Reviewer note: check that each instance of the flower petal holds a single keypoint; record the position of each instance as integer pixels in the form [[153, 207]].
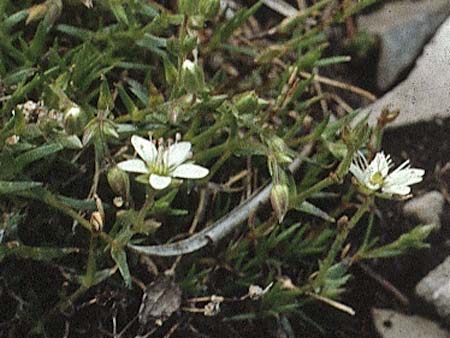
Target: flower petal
[[357, 172], [178, 153], [190, 170], [134, 166], [159, 182], [145, 148], [406, 176], [379, 164], [397, 189]]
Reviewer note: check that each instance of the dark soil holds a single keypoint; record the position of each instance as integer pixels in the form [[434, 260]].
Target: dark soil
[[427, 145]]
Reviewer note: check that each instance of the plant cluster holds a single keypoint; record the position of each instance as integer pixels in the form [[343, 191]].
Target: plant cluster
[[187, 152]]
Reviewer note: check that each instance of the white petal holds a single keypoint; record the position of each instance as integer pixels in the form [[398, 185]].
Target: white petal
[[357, 172], [362, 160], [397, 189], [379, 163], [134, 166], [190, 171], [178, 153], [159, 182], [405, 177], [145, 149]]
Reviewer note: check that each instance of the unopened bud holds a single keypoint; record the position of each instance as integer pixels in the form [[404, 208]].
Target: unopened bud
[[192, 78], [119, 182], [109, 128], [387, 116], [50, 10], [279, 198], [246, 102], [256, 292], [279, 150], [96, 222], [74, 120]]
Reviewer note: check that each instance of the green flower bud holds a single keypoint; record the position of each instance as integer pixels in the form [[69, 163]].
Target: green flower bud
[[74, 120], [209, 8], [109, 128], [119, 182], [192, 78], [279, 150], [248, 102], [279, 198]]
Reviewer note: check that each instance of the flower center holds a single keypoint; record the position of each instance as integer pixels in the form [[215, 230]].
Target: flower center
[[377, 179]]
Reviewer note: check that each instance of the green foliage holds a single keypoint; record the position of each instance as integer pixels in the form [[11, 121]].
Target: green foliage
[[77, 82]]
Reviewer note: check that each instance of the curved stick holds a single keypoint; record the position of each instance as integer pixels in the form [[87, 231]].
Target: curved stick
[[220, 228]]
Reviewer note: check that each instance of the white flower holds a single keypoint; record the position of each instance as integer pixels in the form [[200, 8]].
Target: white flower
[[162, 163], [376, 176]]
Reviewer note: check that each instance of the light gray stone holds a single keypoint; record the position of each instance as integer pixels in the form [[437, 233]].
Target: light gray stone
[[425, 94], [426, 208], [403, 27], [435, 289], [391, 324]]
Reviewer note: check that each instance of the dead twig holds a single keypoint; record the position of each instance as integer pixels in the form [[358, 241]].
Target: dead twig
[[281, 7], [388, 286], [346, 86]]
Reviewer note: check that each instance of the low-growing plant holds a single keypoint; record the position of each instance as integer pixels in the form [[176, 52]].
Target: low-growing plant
[[186, 150]]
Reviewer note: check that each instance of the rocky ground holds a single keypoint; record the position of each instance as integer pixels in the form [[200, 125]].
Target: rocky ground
[[409, 296]]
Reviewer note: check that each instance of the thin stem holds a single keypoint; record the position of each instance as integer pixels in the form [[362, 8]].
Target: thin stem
[[205, 136], [52, 201], [368, 230], [341, 237], [91, 267], [213, 152]]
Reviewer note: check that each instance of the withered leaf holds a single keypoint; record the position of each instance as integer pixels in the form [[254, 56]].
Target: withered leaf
[[161, 298]]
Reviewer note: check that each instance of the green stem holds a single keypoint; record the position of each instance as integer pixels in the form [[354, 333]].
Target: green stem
[[204, 137], [301, 197], [149, 201], [52, 201], [91, 267], [368, 231], [210, 153], [341, 237]]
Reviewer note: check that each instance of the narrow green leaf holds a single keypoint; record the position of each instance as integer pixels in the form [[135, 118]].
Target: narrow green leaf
[[120, 257], [311, 209], [7, 187], [38, 153], [45, 254], [411, 240]]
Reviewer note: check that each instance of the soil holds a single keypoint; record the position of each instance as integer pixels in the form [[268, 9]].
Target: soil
[[427, 145]]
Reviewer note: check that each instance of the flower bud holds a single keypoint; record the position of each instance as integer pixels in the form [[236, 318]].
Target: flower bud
[[387, 116], [119, 182], [192, 78], [279, 150], [109, 128], [246, 102], [279, 198], [74, 120], [209, 8], [96, 222]]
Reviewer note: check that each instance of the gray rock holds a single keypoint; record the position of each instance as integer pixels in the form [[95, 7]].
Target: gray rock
[[435, 289], [403, 28], [425, 94], [391, 324], [426, 208]]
